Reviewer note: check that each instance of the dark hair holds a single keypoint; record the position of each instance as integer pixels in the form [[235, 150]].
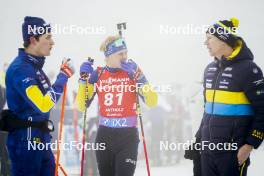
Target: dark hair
[[27, 43]]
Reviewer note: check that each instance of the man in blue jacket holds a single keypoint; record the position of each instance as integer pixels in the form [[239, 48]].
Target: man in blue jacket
[[30, 97], [233, 122]]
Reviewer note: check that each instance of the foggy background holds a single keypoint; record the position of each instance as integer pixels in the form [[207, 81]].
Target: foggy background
[[176, 59]]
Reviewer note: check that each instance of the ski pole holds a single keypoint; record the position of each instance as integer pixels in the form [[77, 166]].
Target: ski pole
[[120, 27], [75, 119], [61, 126], [62, 170], [84, 121], [83, 138], [143, 135]]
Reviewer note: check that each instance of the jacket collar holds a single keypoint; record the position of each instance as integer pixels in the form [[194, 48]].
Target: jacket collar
[[34, 60]]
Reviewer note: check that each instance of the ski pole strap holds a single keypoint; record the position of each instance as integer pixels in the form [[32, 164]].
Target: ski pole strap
[[127, 122]]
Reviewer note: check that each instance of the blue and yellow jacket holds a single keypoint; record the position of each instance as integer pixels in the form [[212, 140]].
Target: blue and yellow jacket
[[234, 100], [30, 95]]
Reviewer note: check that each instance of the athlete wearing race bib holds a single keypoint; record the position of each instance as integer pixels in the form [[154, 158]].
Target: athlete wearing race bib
[[117, 85]]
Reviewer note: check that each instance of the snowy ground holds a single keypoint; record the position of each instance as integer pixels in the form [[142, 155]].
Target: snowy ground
[[185, 167]]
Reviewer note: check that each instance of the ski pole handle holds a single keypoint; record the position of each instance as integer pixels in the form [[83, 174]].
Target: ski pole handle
[[120, 27]]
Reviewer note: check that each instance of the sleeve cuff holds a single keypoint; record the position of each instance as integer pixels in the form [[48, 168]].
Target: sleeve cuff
[[255, 142], [61, 79]]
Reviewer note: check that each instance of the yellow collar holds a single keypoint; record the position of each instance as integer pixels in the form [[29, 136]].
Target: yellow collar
[[236, 50]]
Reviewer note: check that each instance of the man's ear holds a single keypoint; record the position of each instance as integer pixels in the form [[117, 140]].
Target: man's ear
[[32, 40]]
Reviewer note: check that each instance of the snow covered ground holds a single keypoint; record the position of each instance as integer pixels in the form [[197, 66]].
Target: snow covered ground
[[185, 167]]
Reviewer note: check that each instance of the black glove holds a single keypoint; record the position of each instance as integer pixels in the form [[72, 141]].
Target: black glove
[[191, 153]]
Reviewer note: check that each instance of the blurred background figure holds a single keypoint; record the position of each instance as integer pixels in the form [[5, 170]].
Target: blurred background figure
[[174, 128], [5, 164], [2, 74], [156, 116]]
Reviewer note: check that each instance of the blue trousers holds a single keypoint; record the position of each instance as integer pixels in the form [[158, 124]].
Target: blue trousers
[[25, 162], [222, 164]]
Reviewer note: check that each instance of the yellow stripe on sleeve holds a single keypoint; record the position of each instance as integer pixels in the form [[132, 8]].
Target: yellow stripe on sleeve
[[150, 96], [43, 102]]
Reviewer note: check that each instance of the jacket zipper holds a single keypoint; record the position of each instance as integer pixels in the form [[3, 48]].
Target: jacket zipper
[[213, 102]]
